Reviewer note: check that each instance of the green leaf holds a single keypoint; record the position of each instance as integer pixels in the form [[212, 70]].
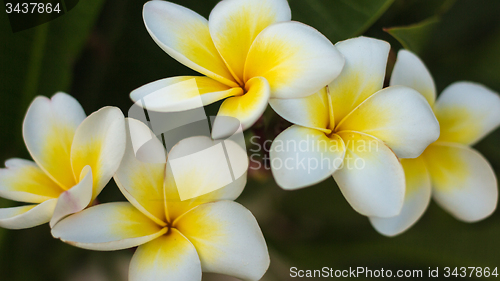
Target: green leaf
[[38, 61], [414, 37], [339, 19]]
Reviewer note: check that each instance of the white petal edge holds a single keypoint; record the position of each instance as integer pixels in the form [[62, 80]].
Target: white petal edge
[[142, 182], [362, 76], [75, 199], [107, 227], [181, 93], [59, 116], [470, 193], [22, 180], [185, 36], [27, 216], [314, 157], [417, 199], [227, 239], [169, 257], [411, 71], [100, 143], [374, 186], [467, 112], [220, 176], [309, 63], [397, 115], [313, 111], [234, 25]]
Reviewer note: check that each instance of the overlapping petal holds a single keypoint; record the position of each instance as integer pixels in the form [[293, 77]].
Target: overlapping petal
[[417, 198], [22, 180], [410, 71], [108, 227], [362, 76], [302, 157], [467, 112], [48, 131], [75, 199], [372, 178], [227, 238], [182, 93], [27, 216], [463, 181], [234, 24], [185, 36], [200, 171], [142, 182], [169, 257], [246, 108], [397, 115], [99, 143], [295, 59], [312, 111]]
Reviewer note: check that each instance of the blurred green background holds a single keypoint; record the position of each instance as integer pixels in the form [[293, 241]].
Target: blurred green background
[[100, 51]]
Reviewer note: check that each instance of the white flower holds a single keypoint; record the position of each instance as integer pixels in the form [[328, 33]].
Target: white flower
[[249, 51], [177, 239], [354, 130], [459, 178], [75, 157]]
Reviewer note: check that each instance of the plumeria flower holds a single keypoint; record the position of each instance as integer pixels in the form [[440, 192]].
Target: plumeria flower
[[459, 178], [248, 50], [177, 239], [75, 157], [356, 131]]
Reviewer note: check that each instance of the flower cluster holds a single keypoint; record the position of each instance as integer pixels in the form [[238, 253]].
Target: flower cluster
[[388, 148]]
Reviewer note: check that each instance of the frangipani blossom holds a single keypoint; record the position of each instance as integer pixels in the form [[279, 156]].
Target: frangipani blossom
[[177, 239], [356, 131], [75, 157], [459, 178], [248, 50]]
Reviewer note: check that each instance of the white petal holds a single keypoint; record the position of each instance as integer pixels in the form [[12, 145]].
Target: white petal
[[399, 116], [227, 239], [312, 111], [185, 36], [410, 71], [181, 93], [362, 76], [24, 181], [295, 59], [463, 181], [417, 198], [107, 227], [142, 182], [99, 143], [467, 112], [234, 25], [302, 157], [168, 257], [75, 199], [27, 216], [48, 131], [371, 179], [200, 171]]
